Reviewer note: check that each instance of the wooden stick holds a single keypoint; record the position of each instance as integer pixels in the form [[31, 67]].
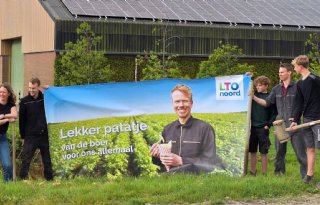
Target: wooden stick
[[248, 131], [14, 167], [290, 129]]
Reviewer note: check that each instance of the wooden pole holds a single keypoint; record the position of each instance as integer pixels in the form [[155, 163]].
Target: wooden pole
[[14, 167], [248, 130]]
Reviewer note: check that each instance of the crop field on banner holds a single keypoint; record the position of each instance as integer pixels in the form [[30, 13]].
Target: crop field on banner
[[119, 146]]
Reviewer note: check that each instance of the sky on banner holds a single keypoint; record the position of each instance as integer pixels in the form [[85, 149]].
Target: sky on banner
[[84, 102]]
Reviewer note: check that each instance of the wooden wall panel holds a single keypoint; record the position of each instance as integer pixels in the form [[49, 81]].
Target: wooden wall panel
[[29, 20]]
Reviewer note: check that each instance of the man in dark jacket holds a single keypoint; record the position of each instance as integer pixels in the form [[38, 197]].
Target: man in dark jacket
[[33, 130], [307, 104], [193, 140]]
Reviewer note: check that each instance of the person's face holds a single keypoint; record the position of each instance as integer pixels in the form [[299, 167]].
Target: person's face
[[4, 94], [33, 89], [297, 68], [182, 104], [261, 88], [284, 74]]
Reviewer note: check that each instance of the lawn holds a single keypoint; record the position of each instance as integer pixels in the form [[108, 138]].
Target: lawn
[[162, 189]]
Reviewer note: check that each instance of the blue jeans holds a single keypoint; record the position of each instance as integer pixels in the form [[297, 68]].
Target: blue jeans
[[5, 158]]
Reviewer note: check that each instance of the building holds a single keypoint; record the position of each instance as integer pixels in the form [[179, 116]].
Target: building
[[33, 32]]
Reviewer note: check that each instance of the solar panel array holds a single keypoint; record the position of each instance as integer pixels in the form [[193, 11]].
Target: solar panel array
[[278, 12]]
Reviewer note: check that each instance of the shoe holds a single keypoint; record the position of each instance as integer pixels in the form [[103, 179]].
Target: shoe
[[253, 173], [308, 179], [278, 173]]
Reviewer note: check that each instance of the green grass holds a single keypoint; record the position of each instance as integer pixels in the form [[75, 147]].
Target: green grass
[[163, 189]]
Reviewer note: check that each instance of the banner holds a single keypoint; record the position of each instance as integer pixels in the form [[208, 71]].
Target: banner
[[107, 129]]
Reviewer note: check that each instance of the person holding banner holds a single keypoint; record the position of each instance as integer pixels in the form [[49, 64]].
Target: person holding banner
[[33, 130], [192, 148], [307, 103], [282, 96], [261, 121], [8, 113]]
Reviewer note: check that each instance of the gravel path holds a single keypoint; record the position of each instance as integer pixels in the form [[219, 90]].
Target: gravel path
[[309, 199]]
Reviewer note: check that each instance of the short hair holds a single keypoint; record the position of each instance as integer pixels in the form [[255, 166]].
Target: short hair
[[12, 98], [186, 90], [287, 66], [262, 80], [302, 60], [35, 80]]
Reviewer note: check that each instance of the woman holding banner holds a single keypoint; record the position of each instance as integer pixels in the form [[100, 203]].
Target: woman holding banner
[[8, 113]]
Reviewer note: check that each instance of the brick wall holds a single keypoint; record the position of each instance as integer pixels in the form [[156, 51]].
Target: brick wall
[[39, 65]]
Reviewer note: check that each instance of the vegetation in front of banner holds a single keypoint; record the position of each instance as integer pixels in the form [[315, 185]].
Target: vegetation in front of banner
[[230, 140], [164, 189]]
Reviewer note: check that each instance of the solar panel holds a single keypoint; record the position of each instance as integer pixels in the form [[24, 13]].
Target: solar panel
[[285, 12]]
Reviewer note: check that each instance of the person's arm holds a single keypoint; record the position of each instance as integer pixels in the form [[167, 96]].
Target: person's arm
[[270, 100], [9, 117], [298, 106], [3, 120], [13, 114], [260, 101]]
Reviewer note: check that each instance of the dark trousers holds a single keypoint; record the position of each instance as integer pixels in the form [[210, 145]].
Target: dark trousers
[[28, 150], [299, 148]]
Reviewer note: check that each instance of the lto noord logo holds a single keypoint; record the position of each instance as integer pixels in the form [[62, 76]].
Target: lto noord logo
[[229, 88]]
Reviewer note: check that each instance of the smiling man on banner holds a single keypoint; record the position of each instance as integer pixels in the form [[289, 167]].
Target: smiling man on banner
[[192, 141]]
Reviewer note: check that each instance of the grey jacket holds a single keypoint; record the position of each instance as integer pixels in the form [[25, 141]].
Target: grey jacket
[[283, 103], [194, 142]]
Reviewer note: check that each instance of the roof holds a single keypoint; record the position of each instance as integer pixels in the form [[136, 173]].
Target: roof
[[276, 13]]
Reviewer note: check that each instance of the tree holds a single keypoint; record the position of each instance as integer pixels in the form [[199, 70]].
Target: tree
[[162, 65], [224, 61], [313, 42], [154, 67], [81, 63]]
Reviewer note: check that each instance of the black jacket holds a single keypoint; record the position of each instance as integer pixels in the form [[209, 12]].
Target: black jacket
[[195, 143], [307, 100], [32, 119]]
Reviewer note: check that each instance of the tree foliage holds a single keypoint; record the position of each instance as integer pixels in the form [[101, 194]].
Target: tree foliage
[[161, 64], [224, 61], [313, 42], [154, 67], [81, 63]]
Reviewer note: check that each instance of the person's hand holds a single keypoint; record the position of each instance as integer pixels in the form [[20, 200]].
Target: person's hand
[[154, 150], [266, 127], [1, 116], [293, 124], [249, 73], [44, 87], [171, 160], [11, 119]]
